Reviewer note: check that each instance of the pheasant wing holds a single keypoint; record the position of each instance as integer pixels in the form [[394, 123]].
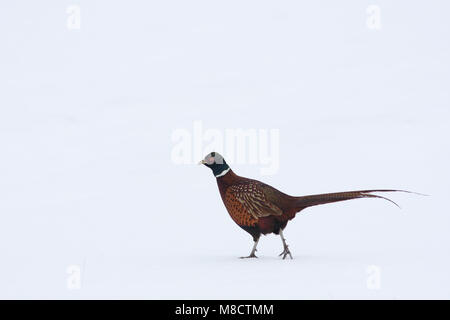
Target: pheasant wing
[[253, 197]]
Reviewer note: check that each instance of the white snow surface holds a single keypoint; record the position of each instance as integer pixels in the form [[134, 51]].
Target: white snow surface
[[86, 176]]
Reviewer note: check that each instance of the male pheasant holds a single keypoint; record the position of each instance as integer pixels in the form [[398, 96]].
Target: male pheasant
[[261, 209]]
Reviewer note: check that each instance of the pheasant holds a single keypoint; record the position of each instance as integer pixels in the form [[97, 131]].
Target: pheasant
[[261, 209]]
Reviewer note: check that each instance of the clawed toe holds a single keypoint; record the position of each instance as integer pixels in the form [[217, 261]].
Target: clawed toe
[[285, 253], [250, 256]]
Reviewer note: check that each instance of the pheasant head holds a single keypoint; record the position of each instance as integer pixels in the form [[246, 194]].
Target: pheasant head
[[216, 163]]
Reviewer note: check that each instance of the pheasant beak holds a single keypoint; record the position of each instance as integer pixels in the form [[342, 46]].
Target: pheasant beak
[[201, 162]]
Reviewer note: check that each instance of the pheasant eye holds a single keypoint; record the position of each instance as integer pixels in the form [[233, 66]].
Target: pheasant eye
[[211, 160]]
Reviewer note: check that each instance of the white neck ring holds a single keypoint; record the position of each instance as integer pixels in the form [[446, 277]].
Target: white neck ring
[[224, 172]]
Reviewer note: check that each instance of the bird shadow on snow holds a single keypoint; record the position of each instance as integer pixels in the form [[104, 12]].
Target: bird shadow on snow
[[319, 258]]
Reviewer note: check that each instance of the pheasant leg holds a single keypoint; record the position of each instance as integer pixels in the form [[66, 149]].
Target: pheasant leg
[[252, 254], [286, 251]]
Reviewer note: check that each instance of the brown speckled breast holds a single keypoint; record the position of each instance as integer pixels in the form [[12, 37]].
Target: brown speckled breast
[[237, 210]]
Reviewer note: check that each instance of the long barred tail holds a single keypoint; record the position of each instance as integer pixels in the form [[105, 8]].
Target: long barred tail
[[317, 199]]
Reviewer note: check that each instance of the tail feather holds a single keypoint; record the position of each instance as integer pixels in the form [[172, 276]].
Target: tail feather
[[317, 199]]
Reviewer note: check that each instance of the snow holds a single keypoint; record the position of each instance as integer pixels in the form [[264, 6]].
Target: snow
[[86, 175]]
